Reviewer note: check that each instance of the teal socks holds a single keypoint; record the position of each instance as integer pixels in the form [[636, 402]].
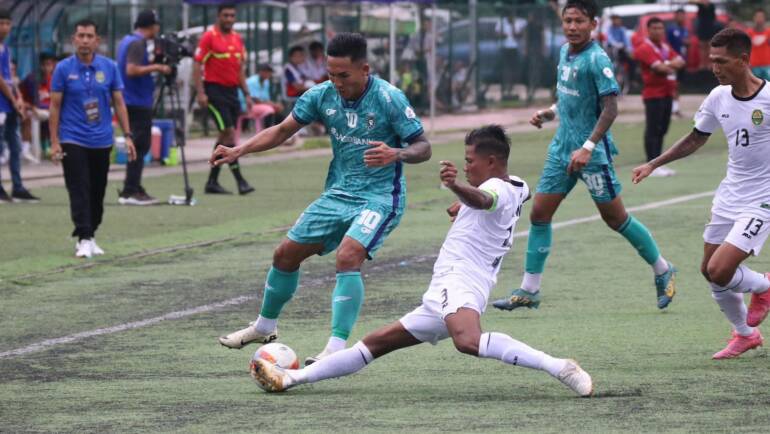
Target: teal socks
[[279, 288], [347, 298], [538, 247], [641, 238]]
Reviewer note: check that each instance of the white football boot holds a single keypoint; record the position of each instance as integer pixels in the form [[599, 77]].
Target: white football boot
[[243, 337], [270, 377], [84, 249], [574, 377]]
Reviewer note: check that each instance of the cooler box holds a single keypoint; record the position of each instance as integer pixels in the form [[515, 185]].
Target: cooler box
[[166, 127], [155, 143]]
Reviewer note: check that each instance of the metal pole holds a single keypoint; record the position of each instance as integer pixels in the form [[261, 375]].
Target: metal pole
[[392, 71], [474, 66], [432, 74]]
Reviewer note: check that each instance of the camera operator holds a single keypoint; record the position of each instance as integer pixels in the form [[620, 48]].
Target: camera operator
[[222, 55], [136, 71]]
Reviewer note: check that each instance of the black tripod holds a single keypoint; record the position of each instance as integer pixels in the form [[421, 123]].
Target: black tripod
[[168, 86]]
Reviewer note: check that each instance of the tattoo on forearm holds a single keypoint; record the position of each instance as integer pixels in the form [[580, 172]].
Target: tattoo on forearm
[[684, 147], [606, 118]]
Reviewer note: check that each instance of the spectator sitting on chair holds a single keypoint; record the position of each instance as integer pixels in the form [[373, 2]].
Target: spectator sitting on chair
[[314, 67], [296, 82], [263, 109], [11, 111], [36, 93]]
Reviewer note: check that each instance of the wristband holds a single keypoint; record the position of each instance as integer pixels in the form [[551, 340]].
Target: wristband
[[129, 136], [554, 109], [589, 145]]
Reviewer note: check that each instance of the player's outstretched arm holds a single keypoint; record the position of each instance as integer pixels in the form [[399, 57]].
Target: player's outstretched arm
[[684, 147], [469, 195], [380, 154], [266, 139]]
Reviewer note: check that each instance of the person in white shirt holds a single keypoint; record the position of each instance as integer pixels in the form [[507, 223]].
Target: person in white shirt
[[740, 214], [314, 67], [463, 275], [510, 30]]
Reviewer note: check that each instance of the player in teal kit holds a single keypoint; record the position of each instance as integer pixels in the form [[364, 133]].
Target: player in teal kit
[[373, 131], [582, 149]]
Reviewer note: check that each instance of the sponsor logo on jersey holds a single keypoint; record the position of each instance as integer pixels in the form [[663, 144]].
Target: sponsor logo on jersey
[[100, 77], [724, 115], [409, 112], [330, 112], [757, 117], [765, 206]]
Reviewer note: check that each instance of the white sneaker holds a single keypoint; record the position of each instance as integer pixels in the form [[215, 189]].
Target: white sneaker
[[243, 337], [27, 155], [84, 249], [96, 249], [312, 359], [269, 377], [574, 377]]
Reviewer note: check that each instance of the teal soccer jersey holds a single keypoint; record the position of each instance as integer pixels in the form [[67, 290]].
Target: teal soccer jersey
[[363, 203], [382, 113], [582, 80]]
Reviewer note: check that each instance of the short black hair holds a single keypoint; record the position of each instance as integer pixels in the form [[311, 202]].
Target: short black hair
[[45, 55], [490, 140], [352, 45], [315, 45], [735, 41], [588, 7], [654, 20], [680, 11], [294, 49], [224, 6], [86, 22], [5, 14]]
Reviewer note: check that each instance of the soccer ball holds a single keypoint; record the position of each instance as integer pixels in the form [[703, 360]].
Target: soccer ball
[[278, 354]]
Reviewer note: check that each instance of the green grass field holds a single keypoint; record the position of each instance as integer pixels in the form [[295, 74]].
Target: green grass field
[[652, 369]]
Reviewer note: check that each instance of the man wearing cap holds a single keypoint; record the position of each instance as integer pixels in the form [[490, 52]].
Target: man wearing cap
[[263, 108], [136, 68], [218, 73]]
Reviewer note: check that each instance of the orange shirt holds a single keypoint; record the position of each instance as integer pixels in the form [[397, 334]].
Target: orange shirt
[[222, 56], [760, 47]]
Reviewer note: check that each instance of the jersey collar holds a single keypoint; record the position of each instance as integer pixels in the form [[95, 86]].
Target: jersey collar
[[749, 98], [356, 103], [571, 56]]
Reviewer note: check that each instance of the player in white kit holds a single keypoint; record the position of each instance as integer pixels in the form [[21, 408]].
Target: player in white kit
[[463, 275], [740, 215]]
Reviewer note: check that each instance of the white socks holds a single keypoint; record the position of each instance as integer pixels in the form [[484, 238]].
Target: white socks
[[504, 348], [335, 344], [531, 282], [265, 325], [339, 364], [660, 266], [731, 304], [747, 280]]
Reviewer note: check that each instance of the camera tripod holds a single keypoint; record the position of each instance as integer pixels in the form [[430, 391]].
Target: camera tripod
[[169, 87]]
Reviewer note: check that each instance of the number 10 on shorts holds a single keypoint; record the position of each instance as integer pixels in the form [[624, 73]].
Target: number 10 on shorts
[[368, 220]]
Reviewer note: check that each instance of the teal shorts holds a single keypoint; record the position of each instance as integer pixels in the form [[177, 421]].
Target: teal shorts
[[600, 179], [762, 72], [331, 217]]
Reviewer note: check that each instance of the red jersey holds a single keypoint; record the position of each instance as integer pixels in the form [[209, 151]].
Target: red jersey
[[655, 85], [222, 56], [760, 47]]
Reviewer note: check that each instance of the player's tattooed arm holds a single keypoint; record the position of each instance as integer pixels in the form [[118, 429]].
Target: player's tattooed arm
[[469, 195], [380, 154], [682, 148], [418, 151], [606, 118]]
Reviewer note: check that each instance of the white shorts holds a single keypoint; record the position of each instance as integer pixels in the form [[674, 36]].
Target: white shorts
[[746, 232], [447, 293]]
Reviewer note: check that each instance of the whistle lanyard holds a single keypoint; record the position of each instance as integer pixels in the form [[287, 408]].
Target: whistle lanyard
[[664, 54]]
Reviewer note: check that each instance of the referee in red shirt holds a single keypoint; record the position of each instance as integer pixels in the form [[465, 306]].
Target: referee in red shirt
[[659, 63], [220, 57]]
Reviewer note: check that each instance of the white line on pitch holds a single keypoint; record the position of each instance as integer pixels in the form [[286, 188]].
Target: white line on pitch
[[48, 343]]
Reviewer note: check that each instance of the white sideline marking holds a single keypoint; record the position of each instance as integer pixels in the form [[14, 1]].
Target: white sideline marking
[[42, 345]]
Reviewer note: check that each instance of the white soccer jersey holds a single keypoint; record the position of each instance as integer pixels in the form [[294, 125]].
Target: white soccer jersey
[[746, 123], [478, 239]]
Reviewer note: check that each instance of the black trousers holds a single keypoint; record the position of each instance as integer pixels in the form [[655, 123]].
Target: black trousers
[[140, 120], [85, 175], [658, 118]]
